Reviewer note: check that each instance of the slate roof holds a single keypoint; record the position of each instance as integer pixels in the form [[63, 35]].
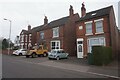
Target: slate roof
[[24, 31], [52, 24], [97, 13], [58, 22]]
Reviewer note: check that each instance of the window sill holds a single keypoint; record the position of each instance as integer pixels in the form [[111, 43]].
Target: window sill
[[99, 33], [88, 34], [55, 36]]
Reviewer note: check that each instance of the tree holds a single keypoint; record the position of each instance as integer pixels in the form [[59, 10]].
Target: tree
[[5, 44]]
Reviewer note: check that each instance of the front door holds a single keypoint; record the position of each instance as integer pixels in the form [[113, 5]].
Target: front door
[[80, 48]]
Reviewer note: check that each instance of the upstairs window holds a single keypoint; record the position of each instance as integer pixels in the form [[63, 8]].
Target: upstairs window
[[99, 26], [41, 35], [88, 27], [56, 32]]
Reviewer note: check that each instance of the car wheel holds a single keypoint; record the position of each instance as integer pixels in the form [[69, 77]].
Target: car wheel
[[27, 56], [20, 54], [58, 58], [33, 55], [45, 54], [49, 58]]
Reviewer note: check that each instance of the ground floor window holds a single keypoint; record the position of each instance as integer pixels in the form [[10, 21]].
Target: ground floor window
[[55, 44], [95, 41], [22, 46]]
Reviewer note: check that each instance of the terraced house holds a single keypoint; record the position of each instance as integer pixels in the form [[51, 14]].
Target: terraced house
[[75, 34], [57, 34], [25, 38]]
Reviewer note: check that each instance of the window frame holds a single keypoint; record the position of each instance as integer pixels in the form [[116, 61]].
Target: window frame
[[99, 27], [57, 44], [90, 23], [42, 34], [54, 32], [89, 45]]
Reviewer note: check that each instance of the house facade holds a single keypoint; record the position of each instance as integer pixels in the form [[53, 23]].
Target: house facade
[[96, 28], [76, 35], [25, 38], [60, 33]]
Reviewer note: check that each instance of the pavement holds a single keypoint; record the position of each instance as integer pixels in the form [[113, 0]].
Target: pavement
[[110, 70]]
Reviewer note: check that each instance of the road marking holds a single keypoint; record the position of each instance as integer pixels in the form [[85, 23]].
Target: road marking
[[104, 75]]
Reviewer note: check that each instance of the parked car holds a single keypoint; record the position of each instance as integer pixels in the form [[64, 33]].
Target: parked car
[[37, 51], [57, 54], [20, 52]]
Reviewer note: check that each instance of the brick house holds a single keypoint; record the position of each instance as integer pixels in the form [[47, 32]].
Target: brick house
[[59, 34], [75, 34], [25, 38], [96, 28]]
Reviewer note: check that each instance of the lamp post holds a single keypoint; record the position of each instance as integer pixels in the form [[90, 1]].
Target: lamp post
[[9, 35]]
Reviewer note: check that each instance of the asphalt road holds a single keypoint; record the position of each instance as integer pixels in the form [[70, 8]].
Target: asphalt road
[[41, 67]]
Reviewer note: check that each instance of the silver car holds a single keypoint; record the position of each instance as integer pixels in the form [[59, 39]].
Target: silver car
[[57, 54]]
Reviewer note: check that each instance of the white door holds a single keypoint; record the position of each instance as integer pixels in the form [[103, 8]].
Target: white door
[[80, 48]]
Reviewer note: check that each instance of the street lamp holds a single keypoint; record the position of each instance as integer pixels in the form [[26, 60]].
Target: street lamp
[[9, 34]]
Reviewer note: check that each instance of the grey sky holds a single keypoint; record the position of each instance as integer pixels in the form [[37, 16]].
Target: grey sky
[[24, 12]]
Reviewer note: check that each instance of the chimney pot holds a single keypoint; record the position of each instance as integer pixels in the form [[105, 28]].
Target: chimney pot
[[83, 10], [29, 27], [71, 11], [45, 20]]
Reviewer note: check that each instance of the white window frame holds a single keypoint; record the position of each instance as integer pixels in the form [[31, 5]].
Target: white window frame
[[88, 22], [57, 41], [26, 38], [89, 46], [41, 34], [54, 35], [96, 26], [22, 38], [22, 45], [30, 37]]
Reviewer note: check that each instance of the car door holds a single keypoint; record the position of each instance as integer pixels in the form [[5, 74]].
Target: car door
[[64, 54], [24, 51]]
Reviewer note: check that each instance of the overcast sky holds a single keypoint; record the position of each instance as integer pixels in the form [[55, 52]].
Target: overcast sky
[[24, 12]]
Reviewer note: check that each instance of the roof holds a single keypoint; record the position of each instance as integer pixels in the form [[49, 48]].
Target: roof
[[96, 13], [58, 22], [24, 31], [52, 24]]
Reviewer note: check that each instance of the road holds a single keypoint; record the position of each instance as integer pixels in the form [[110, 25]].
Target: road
[[41, 67]]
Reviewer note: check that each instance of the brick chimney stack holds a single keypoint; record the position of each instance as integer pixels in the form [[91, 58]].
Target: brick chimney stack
[[71, 11], [29, 27], [45, 20], [83, 10]]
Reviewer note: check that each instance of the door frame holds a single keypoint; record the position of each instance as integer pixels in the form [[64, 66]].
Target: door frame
[[78, 56]]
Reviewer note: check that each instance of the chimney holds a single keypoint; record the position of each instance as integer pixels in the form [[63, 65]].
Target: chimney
[[45, 20], [29, 27], [71, 11], [83, 10]]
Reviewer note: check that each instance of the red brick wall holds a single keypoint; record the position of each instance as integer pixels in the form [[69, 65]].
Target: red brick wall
[[48, 34], [6, 51], [114, 33], [81, 33]]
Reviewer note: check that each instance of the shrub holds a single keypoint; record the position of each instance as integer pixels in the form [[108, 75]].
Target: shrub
[[101, 55]]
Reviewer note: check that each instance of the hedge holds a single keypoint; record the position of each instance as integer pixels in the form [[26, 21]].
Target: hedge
[[101, 55]]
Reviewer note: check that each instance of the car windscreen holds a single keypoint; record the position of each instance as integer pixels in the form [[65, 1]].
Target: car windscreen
[[53, 51]]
